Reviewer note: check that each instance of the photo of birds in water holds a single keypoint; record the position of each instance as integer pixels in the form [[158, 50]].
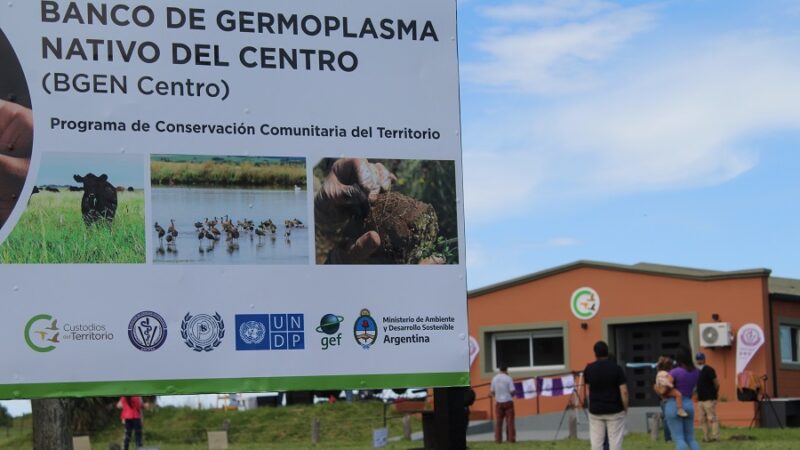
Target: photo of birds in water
[[229, 210]]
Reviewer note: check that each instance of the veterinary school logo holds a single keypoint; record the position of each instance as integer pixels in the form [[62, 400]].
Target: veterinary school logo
[[42, 332], [365, 330], [585, 303], [202, 332], [147, 331], [270, 332]]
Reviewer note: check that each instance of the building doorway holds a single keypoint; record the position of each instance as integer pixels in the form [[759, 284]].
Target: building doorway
[[638, 344]]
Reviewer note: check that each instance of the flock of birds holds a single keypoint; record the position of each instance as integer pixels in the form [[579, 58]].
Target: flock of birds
[[214, 230]]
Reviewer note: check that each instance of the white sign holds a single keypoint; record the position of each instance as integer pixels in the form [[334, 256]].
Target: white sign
[[229, 196], [380, 437], [748, 340], [474, 349], [584, 303]]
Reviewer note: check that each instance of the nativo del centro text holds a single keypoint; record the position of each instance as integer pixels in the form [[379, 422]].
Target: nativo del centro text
[[98, 14]]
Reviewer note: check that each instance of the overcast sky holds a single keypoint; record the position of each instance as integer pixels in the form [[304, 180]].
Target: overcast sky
[[122, 170]]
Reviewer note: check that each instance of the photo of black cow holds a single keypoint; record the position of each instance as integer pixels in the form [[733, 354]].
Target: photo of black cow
[[99, 202], [96, 222]]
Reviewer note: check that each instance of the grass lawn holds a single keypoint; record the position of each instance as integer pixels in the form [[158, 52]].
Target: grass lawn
[[51, 231], [343, 426]]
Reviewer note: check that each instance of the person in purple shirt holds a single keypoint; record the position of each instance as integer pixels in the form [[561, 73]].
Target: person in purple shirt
[[685, 378]]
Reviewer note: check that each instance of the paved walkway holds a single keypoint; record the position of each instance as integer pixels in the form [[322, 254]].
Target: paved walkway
[[545, 427]]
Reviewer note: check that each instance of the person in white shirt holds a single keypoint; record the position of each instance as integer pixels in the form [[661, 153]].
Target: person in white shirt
[[503, 392]]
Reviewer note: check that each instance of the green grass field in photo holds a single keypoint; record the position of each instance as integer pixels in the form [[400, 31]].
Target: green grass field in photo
[[51, 231]]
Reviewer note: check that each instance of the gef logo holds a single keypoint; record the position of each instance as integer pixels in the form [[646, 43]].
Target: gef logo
[[329, 327], [270, 332]]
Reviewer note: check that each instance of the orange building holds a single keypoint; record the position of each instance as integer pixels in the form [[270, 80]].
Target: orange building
[[546, 323]]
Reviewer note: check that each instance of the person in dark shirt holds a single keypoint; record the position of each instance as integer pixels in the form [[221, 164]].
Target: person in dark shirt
[[707, 392], [605, 383]]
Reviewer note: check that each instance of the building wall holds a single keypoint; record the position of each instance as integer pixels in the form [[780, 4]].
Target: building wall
[[624, 296], [787, 375]]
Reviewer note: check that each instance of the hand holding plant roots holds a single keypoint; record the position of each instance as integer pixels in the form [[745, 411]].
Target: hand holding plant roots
[[405, 226], [348, 188], [372, 224]]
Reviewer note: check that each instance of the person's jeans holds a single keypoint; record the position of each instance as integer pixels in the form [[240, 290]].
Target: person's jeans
[[613, 424], [667, 434], [504, 410], [682, 428], [707, 415], [134, 425]]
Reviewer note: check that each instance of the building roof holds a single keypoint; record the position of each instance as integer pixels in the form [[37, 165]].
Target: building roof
[[646, 269], [788, 288]]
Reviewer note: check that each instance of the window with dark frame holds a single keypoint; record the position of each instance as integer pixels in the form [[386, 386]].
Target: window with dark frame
[[535, 349], [790, 343]]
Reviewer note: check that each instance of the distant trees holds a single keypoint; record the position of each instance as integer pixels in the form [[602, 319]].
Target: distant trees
[[90, 414], [5, 417]]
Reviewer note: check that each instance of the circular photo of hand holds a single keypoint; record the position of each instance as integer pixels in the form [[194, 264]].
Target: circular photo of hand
[[16, 129]]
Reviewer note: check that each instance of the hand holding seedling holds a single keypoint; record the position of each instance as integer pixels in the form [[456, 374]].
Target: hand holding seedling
[[16, 129]]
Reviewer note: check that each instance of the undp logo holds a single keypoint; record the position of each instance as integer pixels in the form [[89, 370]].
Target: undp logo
[[270, 332]]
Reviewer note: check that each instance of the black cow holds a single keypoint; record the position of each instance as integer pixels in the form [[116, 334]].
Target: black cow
[[75, 189], [51, 189], [130, 188], [99, 201]]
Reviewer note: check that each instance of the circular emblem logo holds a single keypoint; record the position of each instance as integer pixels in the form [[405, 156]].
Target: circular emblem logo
[[751, 336], [585, 303], [202, 332], [252, 332], [365, 330], [329, 324], [41, 333], [147, 331]]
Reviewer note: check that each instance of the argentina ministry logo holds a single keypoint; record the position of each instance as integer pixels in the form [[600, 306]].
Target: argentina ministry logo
[[365, 330], [202, 332], [42, 333], [147, 331]]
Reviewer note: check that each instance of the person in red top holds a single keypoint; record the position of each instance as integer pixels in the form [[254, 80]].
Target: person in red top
[[132, 418]]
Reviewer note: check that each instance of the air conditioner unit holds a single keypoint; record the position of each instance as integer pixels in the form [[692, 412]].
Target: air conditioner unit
[[717, 334]]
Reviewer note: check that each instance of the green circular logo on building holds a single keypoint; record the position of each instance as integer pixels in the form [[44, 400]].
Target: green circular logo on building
[[585, 303]]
